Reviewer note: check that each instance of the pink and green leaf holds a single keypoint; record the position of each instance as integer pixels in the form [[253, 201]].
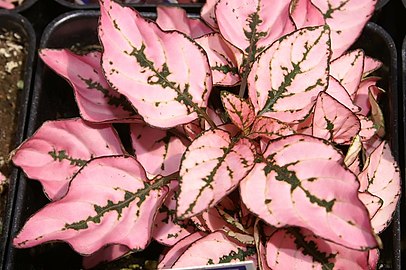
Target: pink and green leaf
[[211, 168], [381, 178], [109, 195], [61, 148], [240, 111], [286, 79], [96, 100], [215, 248], [165, 75], [269, 128], [370, 65], [376, 112], [361, 98], [303, 182], [159, 151], [175, 18], [295, 248], [105, 254], [346, 20], [305, 14], [337, 91], [333, 121], [372, 203], [223, 59], [207, 13]]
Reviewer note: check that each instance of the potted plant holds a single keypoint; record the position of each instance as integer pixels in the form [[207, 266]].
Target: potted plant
[[17, 49], [260, 138]]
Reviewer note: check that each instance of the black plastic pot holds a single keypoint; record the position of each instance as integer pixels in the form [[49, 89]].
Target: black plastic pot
[[53, 98], [18, 24]]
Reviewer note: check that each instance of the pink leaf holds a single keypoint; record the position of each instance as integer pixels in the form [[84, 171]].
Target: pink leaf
[[337, 91], [212, 167], [333, 121], [368, 129], [3, 179], [97, 102], [302, 182], [348, 70], [376, 112], [159, 151], [215, 248], [165, 75], [361, 98], [305, 14], [240, 111], [346, 20], [105, 254], [223, 59], [7, 4], [175, 18], [177, 250], [295, 248], [286, 79], [61, 148], [304, 127], [373, 258], [190, 130], [372, 203], [252, 25], [269, 128], [208, 15], [370, 65], [352, 159], [109, 195], [167, 228], [383, 180]]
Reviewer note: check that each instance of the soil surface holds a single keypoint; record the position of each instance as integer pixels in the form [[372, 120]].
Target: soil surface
[[12, 56]]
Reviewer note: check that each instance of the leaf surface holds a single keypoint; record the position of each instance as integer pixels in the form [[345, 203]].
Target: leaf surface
[[286, 79], [212, 167], [295, 248], [346, 20], [109, 195], [175, 18], [60, 148], [333, 121], [376, 112], [223, 59], [337, 91], [269, 128], [159, 151], [370, 65], [215, 248], [381, 178], [361, 98], [305, 14], [165, 75], [303, 183], [96, 100], [373, 203], [207, 13], [240, 111], [105, 254]]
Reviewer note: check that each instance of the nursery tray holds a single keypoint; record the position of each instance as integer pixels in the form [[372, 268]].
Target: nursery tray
[[20, 25], [53, 99]]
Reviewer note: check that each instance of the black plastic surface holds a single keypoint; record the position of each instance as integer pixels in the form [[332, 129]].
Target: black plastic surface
[[18, 24], [53, 98]]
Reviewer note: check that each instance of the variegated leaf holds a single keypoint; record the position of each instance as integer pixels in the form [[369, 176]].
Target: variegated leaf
[[376, 112], [381, 178], [348, 70], [337, 91], [295, 248], [212, 167], [370, 65], [167, 228], [373, 258], [170, 257], [333, 121], [215, 248], [346, 20], [305, 14], [372, 203], [286, 79], [223, 59], [261, 234], [361, 98], [269, 128], [303, 182], [368, 129], [97, 102], [353, 151], [240, 111], [304, 127], [109, 195], [61, 148], [175, 18], [105, 254], [165, 75], [159, 151], [207, 13]]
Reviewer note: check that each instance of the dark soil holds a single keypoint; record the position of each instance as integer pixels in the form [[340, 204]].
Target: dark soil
[[12, 56]]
